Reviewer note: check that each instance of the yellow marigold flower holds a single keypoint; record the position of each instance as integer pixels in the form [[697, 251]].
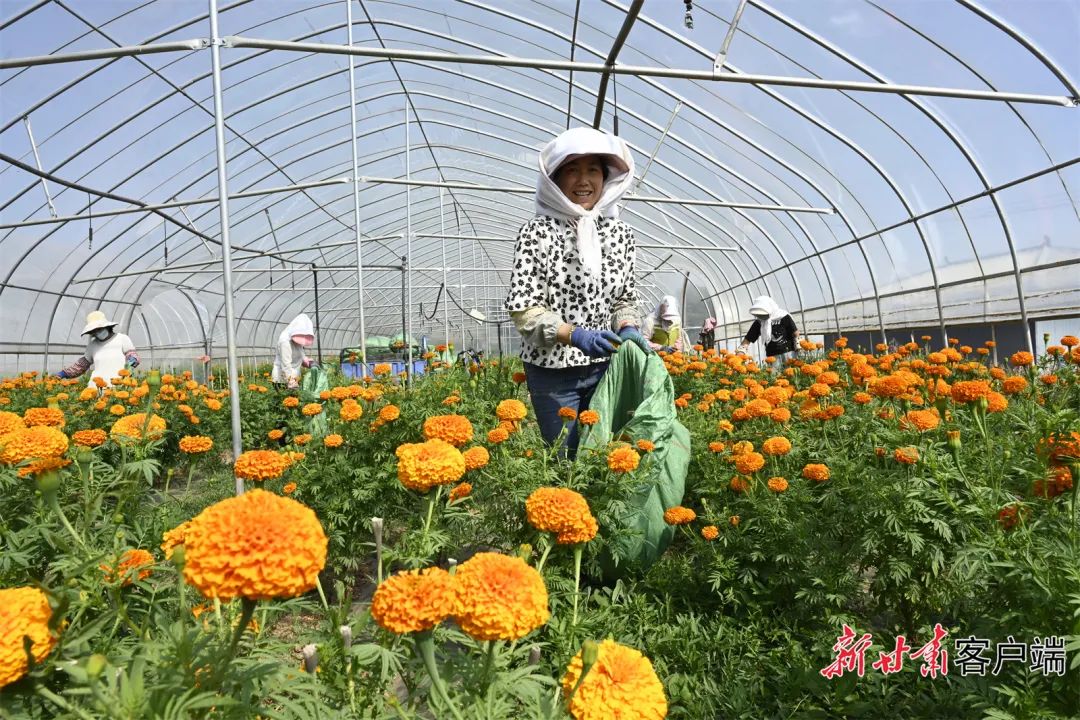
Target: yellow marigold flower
[[288, 488], [196, 444], [967, 391], [921, 420], [117, 410], [906, 455], [259, 465], [818, 472], [776, 446], [389, 413], [749, 463], [1021, 359], [561, 511], [132, 562], [777, 484], [476, 457], [302, 439], [780, 415], [454, 429], [422, 466], [275, 434], [312, 409], [742, 447], [460, 491], [131, 427], [49, 417], [758, 408], [498, 435], [257, 546], [499, 597], [414, 600], [511, 411], [996, 402], [710, 532], [717, 447], [588, 417], [623, 459], [451, 400], [350, 411], [645, 446], [213, 404], [725, 426], [568, 414], [170, 539], [1048, 379], [90, 438], [43, 465], [35, 442], [24, 616], [381, 369], [333, 441], [621, 685], [679, 515], [291, 401], [10, 422], [819, 390]]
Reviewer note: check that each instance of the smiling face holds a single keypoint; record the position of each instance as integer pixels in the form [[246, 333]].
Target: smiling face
[[582, 180]]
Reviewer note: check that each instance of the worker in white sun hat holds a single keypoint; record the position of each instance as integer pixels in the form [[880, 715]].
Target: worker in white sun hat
[[774, 328], [108, 351], [289, 355]]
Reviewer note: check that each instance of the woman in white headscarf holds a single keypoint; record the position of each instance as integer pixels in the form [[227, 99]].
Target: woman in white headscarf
[[107, 352], [572, 286], [774, 327], [289, 355], [664, 326]]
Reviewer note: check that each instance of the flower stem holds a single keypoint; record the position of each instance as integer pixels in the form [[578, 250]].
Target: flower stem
[[425, 645], [322, 594], [489, 663], [55, 505], [578, 548], [247, 609], [547, 549]]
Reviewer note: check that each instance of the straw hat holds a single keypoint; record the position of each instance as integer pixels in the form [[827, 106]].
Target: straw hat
[[95, 321]]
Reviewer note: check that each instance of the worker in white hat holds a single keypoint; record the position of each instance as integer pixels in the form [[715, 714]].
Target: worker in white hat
[[108, 351], [289, 355]]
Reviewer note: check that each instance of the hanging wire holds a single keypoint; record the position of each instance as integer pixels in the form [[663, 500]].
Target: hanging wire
[[438, 299], [688, 18], [615, 98], [165, 227], [90, 213]]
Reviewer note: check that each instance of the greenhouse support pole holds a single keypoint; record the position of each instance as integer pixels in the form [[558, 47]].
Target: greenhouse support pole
[[226, 248], [407, 307], [445, 285], [404, 272], [318, 340], [356, 196]]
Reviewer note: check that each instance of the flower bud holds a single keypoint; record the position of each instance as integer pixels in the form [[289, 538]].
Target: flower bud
[[590, 653], [95, 665], [524, 551], [346, 637], [48, 482], [311, 658], [954, 439], [84, 457], [178, 557]]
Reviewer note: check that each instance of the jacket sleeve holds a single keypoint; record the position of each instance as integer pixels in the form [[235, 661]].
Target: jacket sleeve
[[78, 367], [285, 352], [538, 325], [624, 311], [753, 333], [790, 329]]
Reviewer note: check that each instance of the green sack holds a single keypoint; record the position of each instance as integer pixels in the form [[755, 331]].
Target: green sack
[[636, 399], [314, 383]]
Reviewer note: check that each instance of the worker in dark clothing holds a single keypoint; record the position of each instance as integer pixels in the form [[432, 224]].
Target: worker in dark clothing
[[774, 327]]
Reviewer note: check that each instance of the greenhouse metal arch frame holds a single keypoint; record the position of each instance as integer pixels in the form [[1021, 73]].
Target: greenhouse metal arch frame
[[745, 270]]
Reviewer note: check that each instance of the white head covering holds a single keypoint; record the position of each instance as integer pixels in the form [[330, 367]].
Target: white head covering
[[765, 304], [95, 321], [301, 325], [666, 314], [551, 201]]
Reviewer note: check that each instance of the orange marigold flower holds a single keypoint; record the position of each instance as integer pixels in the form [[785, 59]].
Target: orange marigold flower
[[43, 465], [511, 411], [1049, 379], [817, 472], [499, 597], [742, 447], [498, 435], [454, 429], [460, 491], [645, 446], [1014, 384], [132, 562], [717, 447], [776, 446], [35, 442], [889, 386], [291, 401], [294, 457], [414, 600], [966, 391], [117, 410], [749, 463], [350, 411], [90, 438], [862, 398], [49, 417], [422, 466], [10, 422], [171, 539], [1021, 359], [1070, 341], [518, 377], [623, 459], [1010, 515], [131, 428], [259, 465], [906, 455], [389, 413], [257, 546], [568, 414], [1060, 448], [561, 511], [333, 441], [588, 417], [312, 409], [289, 488], [302, 439], [621, 685], [679, 515], [996, 402], [275, 434], [777, 484], [758, 408], [476, 457], [780, 415], [819, 389], [196, 444], [710, 532], [24, 620], [381, 369], [739, 484], [734, 520], [921, 420]]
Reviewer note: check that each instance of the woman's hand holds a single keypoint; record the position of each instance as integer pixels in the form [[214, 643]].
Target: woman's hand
[[594, 343], [629, 333]]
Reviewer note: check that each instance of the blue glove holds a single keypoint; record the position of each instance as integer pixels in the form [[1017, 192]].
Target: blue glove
[[132, 361], [629, 333], [62, 375], [594, 343]]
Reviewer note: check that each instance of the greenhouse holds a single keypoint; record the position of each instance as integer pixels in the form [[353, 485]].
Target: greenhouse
[[554, 359]]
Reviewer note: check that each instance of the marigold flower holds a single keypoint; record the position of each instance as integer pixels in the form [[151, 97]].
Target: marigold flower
[[35, 442], [621, 685], [1021, 359], [511, 411], [381, 369], [196, 444], [302, 439], [588, 417], [1060, 448], [1010, 515], [499, 597], [742, 447], [739, 484], [422, 466], [734, 520], [623, 459], [1014, 384], [561, 511], [49, 417], [1070, 341], [454, 429], [24, 617], [679, 515], [568, 414], [906, 455], [293, 457], [777, 484], [257, 546], [414, 600], [90, 438], [710, 532], [921, 420], [749, 463], [776, 446], [818, 472], [889, 386], [275, 434], [170, 539], [389, 413], [38, 466], [498, 435], [780, 415], [645, 446], [291, 401], [333, 441], [130, 428], [312, 409], [996, 402], [717, 447], [132, 562], [476, 457], [10, 422], [966, 391], [758, 408], [259, 465], [460, 491], [117, 410]]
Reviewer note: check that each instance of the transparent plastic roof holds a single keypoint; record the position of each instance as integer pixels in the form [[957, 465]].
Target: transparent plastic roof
[[883, 209]]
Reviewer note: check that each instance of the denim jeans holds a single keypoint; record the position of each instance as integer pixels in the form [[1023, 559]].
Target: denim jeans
[[554, 388]]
